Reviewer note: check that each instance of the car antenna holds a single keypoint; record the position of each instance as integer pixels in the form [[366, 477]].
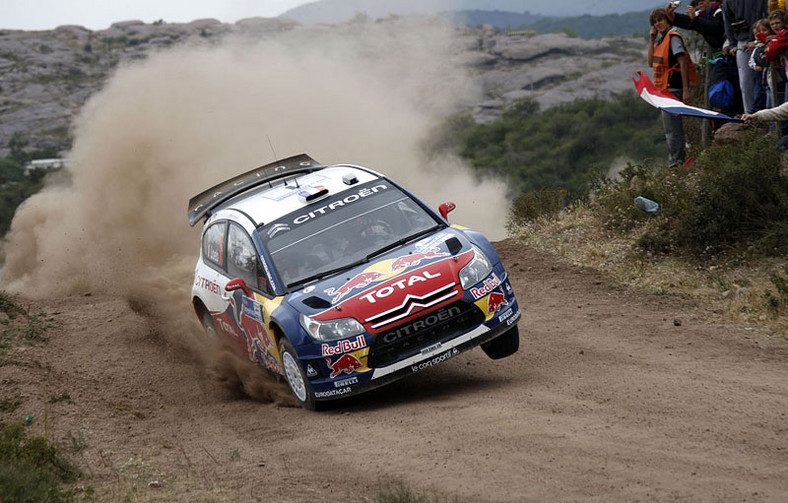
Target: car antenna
[[276, 158], [270, 185]]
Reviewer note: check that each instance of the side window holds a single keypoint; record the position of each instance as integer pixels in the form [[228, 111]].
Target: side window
[[242, 260], [213, 244]]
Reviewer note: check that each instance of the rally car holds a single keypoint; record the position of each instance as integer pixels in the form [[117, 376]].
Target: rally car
[[340, 280]]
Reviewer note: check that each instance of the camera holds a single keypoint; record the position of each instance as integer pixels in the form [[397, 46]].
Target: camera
[[675, 3]]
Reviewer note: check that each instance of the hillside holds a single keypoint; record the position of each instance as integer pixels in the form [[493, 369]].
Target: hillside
[[334, 11], [48, 76]]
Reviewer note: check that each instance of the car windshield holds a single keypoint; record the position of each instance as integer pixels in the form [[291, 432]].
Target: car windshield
[[343, 230]]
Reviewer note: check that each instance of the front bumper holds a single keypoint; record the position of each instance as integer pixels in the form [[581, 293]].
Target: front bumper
[[345, 386]]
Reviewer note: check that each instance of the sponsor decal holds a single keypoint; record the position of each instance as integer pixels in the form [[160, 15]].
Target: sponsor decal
[[346, 363], [253, 309], [333, 392], [276, 229], [408, 282], [507, 314], [338, 204], [227, 327], [310, 370], [495, 302], [420, 324], [207, 284], [438, 359], [345, 346], [414, 259], [490, 284], [431, 349], [395, 266], [359, 281], [308, 289], [345, 382]]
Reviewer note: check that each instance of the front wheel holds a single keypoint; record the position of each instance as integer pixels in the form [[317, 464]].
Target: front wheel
[[504, 345], [299, 385]]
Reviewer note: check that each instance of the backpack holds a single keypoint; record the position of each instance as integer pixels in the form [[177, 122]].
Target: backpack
[[721, 95], [759, 56]]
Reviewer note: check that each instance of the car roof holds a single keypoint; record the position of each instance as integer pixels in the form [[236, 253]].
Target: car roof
[[270, 202]]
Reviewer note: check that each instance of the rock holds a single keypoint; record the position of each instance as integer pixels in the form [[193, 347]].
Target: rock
[[47, 76], [730, 133]]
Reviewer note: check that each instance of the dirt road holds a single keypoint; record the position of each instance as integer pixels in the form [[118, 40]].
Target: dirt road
[[615, 395]]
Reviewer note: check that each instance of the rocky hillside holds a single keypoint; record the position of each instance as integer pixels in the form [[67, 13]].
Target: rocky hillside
[[46, 76]]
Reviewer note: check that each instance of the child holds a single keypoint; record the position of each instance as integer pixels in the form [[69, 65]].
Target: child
[[762, 94]]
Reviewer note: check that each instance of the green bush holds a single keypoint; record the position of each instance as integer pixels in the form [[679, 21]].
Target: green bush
[[529, 206], [557, 148], [732, 198], [32, 470], [742, 199]]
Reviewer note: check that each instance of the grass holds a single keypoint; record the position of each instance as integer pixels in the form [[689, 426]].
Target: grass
[[746, 292], [33, 470], [19, 326], [399, 493]]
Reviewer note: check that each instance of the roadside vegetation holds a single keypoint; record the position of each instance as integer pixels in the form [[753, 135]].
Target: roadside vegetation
[[719, 237], [32, 469]]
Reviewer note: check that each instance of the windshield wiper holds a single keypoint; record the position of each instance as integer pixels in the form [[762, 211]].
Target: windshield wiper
[[402, 241], [327, 273]]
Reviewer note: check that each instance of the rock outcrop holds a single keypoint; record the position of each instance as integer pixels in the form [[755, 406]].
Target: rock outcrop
[[46, 76]]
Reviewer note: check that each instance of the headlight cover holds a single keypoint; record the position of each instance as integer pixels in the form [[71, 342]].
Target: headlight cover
[[331, 330], [476, 270]]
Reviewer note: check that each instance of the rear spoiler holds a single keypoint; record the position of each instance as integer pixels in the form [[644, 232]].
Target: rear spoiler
[[201, 205]]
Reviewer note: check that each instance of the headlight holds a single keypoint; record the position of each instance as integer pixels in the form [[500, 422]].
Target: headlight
[[476, 270], [331, 330]]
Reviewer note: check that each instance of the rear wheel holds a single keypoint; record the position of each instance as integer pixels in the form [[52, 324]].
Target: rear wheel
[[208, 325], [504, 345], [299, 385]]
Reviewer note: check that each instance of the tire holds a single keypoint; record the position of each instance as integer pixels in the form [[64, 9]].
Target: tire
[[294, 373], [504, 345], [209, 326]]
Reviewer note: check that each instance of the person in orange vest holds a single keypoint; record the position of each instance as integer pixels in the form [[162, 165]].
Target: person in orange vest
[[673, 71]]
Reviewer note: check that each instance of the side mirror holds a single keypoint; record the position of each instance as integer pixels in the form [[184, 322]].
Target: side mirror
[[445, 208], [238, 284]]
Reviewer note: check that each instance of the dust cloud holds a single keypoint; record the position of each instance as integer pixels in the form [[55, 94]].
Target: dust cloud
[[165, 129]]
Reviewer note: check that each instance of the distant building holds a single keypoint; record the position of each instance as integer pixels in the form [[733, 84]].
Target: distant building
[[45, 164]]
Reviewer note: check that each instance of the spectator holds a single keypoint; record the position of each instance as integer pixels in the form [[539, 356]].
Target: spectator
[[705, 17], [740, 16], [762, 90], [779, 113], [673, 71]]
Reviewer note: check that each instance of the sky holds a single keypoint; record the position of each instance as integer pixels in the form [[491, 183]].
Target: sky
[[100, 14]]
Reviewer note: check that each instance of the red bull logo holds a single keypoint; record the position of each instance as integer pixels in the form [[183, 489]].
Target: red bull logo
[[489, 285], [346, 363], [495, 302], [415, 259], [359, 281], [344, 346], [366, 278]]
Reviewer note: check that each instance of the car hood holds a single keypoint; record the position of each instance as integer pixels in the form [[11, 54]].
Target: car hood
[[395, 285]]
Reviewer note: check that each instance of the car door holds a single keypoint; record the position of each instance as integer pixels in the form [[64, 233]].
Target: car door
[[248, 299]]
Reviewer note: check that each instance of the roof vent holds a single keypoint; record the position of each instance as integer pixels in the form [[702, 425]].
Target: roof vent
[[349, 178]]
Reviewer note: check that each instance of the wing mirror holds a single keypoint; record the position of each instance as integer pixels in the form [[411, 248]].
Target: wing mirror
[[238, 284], [445, 208]]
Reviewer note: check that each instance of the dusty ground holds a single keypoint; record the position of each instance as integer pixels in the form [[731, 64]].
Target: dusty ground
[[615, 395]]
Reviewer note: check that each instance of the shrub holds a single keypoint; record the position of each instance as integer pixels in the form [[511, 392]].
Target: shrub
[[529, 206], [732, 198], [32, 470]]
